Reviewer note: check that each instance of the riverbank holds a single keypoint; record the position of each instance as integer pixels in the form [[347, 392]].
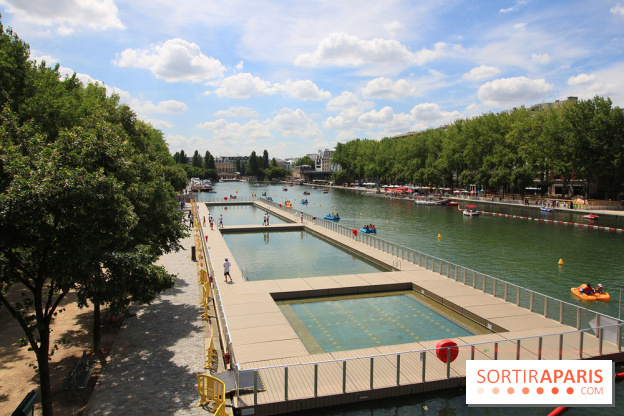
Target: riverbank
[[505, 202]]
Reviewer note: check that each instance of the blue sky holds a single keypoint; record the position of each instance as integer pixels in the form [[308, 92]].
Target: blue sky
[[294, 77]]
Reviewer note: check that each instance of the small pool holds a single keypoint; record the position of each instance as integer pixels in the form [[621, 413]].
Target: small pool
[[364, 321], [291, 254], [241, 215]]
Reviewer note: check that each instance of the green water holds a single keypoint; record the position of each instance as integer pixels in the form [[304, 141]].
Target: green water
[[291, 254], [519, 251]]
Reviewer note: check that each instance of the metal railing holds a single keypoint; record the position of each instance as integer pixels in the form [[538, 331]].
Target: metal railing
[[416, 363], [564, 312], [219, 303]]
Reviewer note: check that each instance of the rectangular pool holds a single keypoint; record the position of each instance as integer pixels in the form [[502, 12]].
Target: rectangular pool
[[364, 321], [291, 254], [241, 215]]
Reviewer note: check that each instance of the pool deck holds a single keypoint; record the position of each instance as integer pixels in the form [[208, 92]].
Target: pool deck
[[262, 337]]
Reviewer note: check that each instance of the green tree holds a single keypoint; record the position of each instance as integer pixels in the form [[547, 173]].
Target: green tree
[[209, 162], [265, 160], [305, 161], [197, 161], [84, 203]]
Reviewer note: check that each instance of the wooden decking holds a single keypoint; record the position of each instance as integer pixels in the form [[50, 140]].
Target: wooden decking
[[262, 337]]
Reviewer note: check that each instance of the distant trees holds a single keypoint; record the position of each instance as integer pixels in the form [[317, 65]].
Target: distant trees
[[508, 151], [304, 161]]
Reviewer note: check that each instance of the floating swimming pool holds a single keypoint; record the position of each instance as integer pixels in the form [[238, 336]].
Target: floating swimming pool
[[290, 254], [241, 215], [364, 321]]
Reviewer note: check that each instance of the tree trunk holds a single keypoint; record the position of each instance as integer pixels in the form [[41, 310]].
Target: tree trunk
[[97, 327], [44, 373]]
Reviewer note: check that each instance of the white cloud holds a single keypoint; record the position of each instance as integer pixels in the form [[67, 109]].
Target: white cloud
[[382, 116], [246, 85], [159, 124], [67, 15], [163, 107], [287, 123], [606, 82], [304, 90], [393, 28], [348, 101], [617, 9], [176, 60], [506, 92], [430, 115], [237, 112], [341, 49], [386, 88], [481, 72], [540, 59], [581, 79], [295, 123], [515, 7]]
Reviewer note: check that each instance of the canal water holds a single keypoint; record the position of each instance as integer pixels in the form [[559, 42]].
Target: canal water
[[524, 252]]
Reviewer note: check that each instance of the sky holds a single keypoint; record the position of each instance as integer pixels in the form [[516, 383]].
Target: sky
[[294, 77]]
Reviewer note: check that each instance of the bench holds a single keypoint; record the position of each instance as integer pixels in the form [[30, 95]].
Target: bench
[[79, 376]]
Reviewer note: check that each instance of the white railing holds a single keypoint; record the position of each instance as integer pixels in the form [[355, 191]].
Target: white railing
[[509, 349]]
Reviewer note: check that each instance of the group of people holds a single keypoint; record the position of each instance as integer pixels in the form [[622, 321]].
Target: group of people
[[588, 290], [336, 215], [265, 219], [369, 227]]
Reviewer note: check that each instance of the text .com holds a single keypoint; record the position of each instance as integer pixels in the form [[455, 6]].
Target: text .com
[[538, 383]]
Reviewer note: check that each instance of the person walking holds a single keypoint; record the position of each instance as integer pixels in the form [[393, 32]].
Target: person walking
[[267, 218], [301, 218], [226, 270], [211, 221], [220, 221], [264, 219]]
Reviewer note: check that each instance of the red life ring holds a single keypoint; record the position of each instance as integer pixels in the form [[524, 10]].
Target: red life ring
[[442, 350], [354, 231]]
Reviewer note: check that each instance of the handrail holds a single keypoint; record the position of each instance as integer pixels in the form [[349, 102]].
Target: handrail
[[393, 249], [598, 330]]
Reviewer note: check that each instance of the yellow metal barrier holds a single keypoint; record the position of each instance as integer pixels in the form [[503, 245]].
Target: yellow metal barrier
[[210, 389], [212, 355], [203, 276]]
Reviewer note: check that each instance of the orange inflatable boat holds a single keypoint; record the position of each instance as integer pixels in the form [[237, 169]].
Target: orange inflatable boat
[[576, 291]]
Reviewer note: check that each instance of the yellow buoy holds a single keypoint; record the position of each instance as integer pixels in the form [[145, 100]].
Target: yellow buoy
[[320, 205], [560, 262], [236, 191], [360, 214], [439, 236], [386, 220], [334, 208]]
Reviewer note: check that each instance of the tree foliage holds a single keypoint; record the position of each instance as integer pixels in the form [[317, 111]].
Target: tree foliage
[[304, 161], [509, 151], [86, 201]]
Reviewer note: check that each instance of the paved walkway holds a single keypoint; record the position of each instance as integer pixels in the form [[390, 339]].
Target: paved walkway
[[154, 362]]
